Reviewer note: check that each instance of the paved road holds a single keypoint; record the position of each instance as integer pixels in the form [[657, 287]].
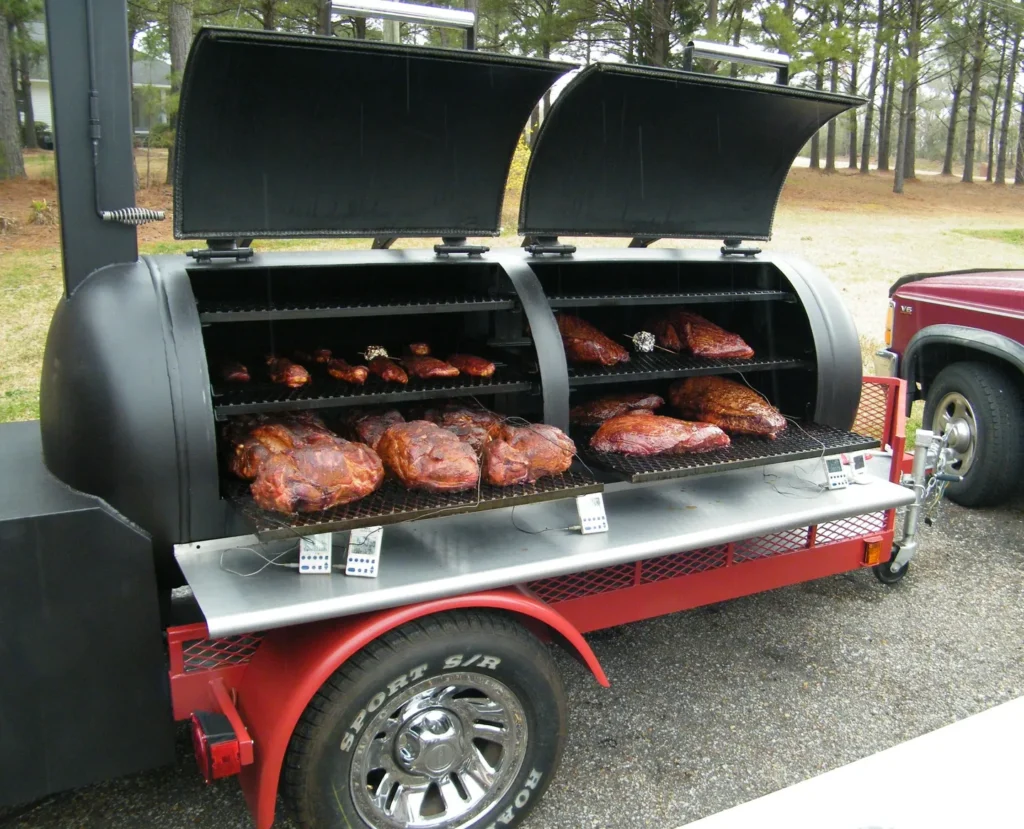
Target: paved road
[[714, 707]]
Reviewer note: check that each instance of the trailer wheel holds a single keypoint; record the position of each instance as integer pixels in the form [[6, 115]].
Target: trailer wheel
[[980, 405], [454, 721], [883, 572]]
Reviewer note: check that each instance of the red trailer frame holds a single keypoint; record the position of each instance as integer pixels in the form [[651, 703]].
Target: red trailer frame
[[262, 682]]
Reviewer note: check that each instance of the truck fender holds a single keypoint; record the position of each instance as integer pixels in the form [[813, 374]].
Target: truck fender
[[292, 663], [975, 339]]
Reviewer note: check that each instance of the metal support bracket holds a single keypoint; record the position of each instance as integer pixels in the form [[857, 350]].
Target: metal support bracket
[[540, 245], [222, 249], [638, 242], [457, 244], [734, 247], [383, 242]]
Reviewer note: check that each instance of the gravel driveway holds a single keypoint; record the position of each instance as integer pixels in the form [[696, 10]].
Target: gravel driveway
[[717, 706]]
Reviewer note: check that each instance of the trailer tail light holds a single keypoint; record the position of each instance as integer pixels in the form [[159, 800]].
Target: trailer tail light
[[890, 317], [873, 551], [216, 746]]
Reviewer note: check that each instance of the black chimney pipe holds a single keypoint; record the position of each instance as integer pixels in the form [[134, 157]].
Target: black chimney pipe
[[91, 108]]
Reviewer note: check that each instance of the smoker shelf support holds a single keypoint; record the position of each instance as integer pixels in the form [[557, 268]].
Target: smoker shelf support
[[908, 543], [554, 372]]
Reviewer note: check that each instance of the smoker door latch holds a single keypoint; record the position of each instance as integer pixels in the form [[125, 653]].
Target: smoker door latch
[[734, 247], [223, 249], [457, 244], [540, 245]]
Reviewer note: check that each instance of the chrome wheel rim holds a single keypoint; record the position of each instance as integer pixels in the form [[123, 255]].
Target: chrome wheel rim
[[955, 416], [440, 754]]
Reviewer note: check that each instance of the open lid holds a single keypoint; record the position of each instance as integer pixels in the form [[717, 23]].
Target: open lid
[[651, 153], [293, 135]]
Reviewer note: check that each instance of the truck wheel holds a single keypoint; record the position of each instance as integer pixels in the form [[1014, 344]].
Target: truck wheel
[[453, 721], [981, 405]]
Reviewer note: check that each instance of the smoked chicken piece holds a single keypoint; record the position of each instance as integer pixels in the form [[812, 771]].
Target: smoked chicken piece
[[522, 454], [419, 349], [598, 411], [683, 330], [388, 370], [428, 368], [317, 355], [471, 424], [340, 370], [368, 425], [317, 477], [287, 373], [645, 433], [232, 371], [424, 456], [473, 366], [732, 406], [585, 344]]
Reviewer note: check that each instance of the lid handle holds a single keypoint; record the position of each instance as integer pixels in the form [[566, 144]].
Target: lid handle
[[737, 54]]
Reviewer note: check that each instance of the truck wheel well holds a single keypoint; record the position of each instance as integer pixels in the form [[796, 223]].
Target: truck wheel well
[[933, 357]]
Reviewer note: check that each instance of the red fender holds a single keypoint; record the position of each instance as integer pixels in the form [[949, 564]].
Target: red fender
[[292, 663]]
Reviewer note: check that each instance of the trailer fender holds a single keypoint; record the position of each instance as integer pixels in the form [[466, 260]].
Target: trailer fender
[[292, 663]]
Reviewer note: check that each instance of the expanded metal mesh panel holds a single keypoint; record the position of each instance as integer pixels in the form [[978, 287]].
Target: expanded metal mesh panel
[[246, 311], [589, 583], [210, 654], [393, 502], [855, 527], [873, 414], [683, 564], [325, 391], [810, 440], [660, 364], [766, 546]]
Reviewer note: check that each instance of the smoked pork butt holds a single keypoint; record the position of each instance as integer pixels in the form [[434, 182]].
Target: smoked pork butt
[[422, 455]]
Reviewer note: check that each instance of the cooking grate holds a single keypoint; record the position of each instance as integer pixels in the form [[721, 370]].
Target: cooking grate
[[661, 364], [376, 306], [810, 440], [326, 392], [393, 503], [687, 298]]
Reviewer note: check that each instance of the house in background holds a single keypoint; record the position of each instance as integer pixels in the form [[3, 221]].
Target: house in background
[[151, 83]]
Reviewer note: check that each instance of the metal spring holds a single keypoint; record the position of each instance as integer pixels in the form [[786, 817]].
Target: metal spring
[[132, 215]]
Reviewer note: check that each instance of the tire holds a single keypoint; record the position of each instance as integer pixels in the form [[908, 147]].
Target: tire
[[383, 743], [886, 575], [983, 403]]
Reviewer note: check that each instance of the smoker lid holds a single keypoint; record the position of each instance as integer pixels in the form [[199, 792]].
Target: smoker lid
[[641, 152], [294, 135]]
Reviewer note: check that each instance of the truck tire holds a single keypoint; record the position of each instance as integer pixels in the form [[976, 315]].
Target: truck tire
[[454, 721], [982, 405]]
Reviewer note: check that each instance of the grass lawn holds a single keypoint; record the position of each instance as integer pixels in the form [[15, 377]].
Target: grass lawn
[[1009, 236]]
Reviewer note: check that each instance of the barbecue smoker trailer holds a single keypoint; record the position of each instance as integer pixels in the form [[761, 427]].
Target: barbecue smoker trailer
[[135, 587]]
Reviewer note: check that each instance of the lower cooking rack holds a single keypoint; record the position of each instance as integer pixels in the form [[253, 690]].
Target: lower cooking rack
[[798, 442], [393, 503]]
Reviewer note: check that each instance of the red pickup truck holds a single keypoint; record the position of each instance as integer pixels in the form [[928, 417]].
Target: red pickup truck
[[958, 340]]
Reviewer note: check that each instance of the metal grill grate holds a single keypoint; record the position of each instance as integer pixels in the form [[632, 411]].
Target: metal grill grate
[[683, 564], [589, 583], [210, 654], [684, 298], [873, 412], [247, 312], [660, 364], [393, 503], [766, 546], [808, 441], [326, 392], [855, 527]]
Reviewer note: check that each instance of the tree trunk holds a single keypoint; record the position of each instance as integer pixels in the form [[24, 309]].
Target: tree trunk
[[268, 9], [865, 147], [819, 84], [995, 106], [899, 174], [737, 31], [954, 115], [830, 130], [853, 117], [914, 69], [885, 111], [12, 165], [661, 26], [179, 18], [31, 142], [1004, 127], [1018, 173], [972, 102], [712, 14], [324, 25], [359, 26]]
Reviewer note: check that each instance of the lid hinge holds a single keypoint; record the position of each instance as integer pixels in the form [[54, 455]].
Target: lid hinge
[[383, 242], [457, 244], [540, 245], [734, 247], [639, 242], [223, 249]]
